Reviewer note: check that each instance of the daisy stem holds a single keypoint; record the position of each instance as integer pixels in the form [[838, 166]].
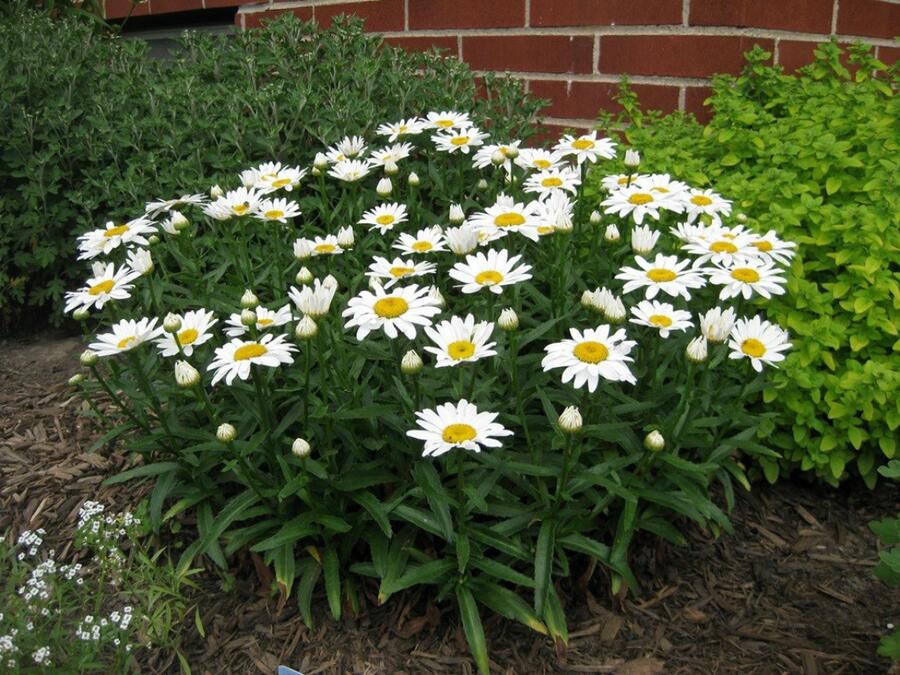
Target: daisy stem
[[471, 390], [308, 368], [567, 467], [118, 401], [460, 491], [144, 384]]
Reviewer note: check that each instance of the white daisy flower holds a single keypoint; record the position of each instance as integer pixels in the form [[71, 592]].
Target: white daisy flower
[[398, 270], [666, 273], [462, 240], [463, 140], [492, 271], [458, 425], [314, 301], [218, 210], [692, 232], [717, 323], [485, 155], [278, 210], [553, 180], [554, 213], [108, 283], [272, 176], [748, 276], [153, 209], [111, 236], [140, 260], [399, 311], [240, 202], [590, 355], [637, 202], [447, 119], [662, 183], [235, 358], [758, 340], [126, 335], [643, 239], [538, 159], [194, 331], [429, 240], [327, 245], [705, 202], [350, 170], [409, 127], [505, 216], [769, 246], [349, 147], [384, 217], [586, 148], [660, 315], [392, 153], [460, 340], [617, 181], [265, 319], [720, 247]]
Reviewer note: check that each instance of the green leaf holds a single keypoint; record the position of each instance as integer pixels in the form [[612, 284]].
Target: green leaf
[[428, 480], [506, 603], [471, 621], [428, 573], [832, 185], [555, 618], [543, 564], [141, 471], [331, 567], [498, 570]]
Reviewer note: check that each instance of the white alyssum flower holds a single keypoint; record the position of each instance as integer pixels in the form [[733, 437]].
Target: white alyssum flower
[[235, 358], [492, 271], [398, 270], [126, 335], [589, 355], [457, 425], [758, 340], [460, 340], [668, 274], [661, 316], [194, 330], [384, 217], [107, 283], [399, 311]]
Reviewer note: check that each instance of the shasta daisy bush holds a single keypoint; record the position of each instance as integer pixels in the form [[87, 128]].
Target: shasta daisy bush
[[441, 369]]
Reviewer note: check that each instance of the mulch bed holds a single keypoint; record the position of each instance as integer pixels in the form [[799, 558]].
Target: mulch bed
[[791, 591]]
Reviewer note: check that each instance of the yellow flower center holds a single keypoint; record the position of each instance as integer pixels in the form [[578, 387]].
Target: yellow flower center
[[753, 347], [115, 231], [125, 342], [583, 144], [745, 274], [187, 336], [385, 219], [722, 247], [390, 307], [325, 248], [623, 180], [421, 246], [241, 209], [590, 352], [398, 272], [488, 278], [102, 287], [640, 198], [274, 214], [542, 163], [443, 124], [264, 322], [701, 200], [402, 129], [249, 351], [458, 433], [661, 190], [459, 140], [660, 275], [763, 246], [461, 349], [281, 182], [546, 229], [551, 182], [510, 219], [660, 320]]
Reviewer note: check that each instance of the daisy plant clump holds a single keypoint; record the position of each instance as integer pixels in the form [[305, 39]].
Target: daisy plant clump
[[426, 360]]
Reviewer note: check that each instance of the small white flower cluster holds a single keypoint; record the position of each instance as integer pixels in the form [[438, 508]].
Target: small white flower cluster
[[91, 629], [8, 649], [103, 532], [41, 656], [32, 541]]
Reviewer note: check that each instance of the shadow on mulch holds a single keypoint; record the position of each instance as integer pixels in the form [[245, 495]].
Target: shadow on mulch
[[791, 591]]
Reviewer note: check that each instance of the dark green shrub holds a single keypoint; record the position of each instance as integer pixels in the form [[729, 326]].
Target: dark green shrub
[[813, 156], [888, 569], [91, 126]]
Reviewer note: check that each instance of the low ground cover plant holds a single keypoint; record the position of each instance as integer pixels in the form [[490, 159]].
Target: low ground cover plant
[[92, 124], [888, 569], [812, 157], [423, 360]]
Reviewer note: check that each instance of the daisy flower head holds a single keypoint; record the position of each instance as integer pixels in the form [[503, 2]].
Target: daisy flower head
[[705, 202], [408, 127], [349, 147], [235, 358], [447, 119], [617, 181], [661, 316], [665, 273], [111, 236], [272, 176], [392, 153], [457, 425], [663, 184], [314, 301], [350, 170], [398, 270], [140, 260], [638, 203], [240, 202], [460, 340], [327, 245], [720, 246], [462, 240], [484, 157], [589, 355], [384, 217], [429, 240], [758, 340], [492, 271], [548, 181], [505, 216], [107, 283], [462, 140], [692, 232], [265, 319], [153, 209], [538, 159], [194, 331], [399, 311], [716, 323], [748, 276], [126, 335], [643, 239], [554, 213], [586, 148], [277, 210], [769, 246]]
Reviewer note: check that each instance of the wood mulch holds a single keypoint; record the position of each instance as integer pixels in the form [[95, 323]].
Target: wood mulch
[[791, 591]]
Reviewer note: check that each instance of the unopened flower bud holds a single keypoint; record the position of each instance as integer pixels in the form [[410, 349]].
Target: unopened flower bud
[[76, 379], [304, 276], [306, 328], [741, 217], [654, 441], [461, 240], [320, 161], [300, 448], [391, 168], [481, 185], [508, 320], [81, 314], [413, 179], [88, 358], [215, 192], [226, 433], [384, 187], [632, 159], [303, 249], [497, 157], [570, 420], [249, 300], [615, 311], [172, 323], [345, 237], [512, 152], [457, 215], [179, 221], [186, 375], [595, 217], [434, 293], [411, 363], [152, 240], [697, 349], [612, 234], [587, 299], [316, 171], [248, 317]]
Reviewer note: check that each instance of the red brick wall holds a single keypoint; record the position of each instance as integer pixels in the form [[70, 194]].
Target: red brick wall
[[574, 51]]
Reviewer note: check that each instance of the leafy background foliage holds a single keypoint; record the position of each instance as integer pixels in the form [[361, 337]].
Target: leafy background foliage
[[93, 127], [813, 156]]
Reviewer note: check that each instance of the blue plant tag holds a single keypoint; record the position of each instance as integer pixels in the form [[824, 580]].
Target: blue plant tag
[[284, 670]]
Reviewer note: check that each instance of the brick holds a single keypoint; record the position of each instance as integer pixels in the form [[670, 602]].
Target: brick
[[530, 53], [605, 12], [794, 54], [257, 19], [693, 103], [676, 55], [172, 6], [804, 16], [585, 99], [212, 4], [430, 14], [868, 18], [119, 9], [888, 55], [381, 15], [422, 44]]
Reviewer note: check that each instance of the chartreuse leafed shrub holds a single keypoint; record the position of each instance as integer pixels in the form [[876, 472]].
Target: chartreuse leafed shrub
[[814, 158], [424, 363], [91, 125]]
